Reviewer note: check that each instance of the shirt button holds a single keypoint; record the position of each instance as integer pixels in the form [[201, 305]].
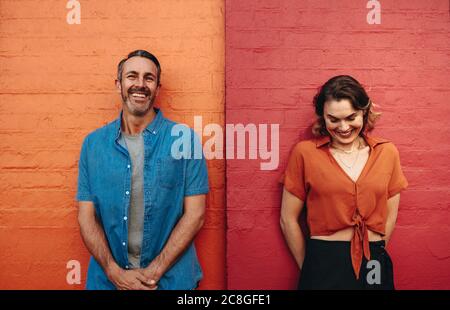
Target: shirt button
[[154, 132], [123, 243], [127, 192], [127, 267], [128, 166], [125, 218]]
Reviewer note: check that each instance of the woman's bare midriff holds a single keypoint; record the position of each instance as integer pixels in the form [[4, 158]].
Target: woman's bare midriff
[[347, 235]]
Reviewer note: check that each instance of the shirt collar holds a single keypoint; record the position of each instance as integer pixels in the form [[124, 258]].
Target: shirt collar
[[152, 128], [371, 141]]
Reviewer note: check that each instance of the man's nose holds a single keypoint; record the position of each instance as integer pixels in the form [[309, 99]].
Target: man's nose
[[140, 82]]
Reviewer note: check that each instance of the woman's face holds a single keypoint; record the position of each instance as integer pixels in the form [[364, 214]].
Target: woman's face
[[342, 121]]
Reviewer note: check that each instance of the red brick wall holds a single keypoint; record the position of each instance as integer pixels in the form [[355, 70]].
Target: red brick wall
[[277, 54], [57, 84]]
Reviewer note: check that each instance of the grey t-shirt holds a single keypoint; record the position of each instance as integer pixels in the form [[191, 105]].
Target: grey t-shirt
[[135, 146]]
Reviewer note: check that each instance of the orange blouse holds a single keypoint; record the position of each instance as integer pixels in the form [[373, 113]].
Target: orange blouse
[[335, 201]]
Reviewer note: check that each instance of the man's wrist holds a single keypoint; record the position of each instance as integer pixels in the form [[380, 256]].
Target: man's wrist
[[155, 269], [111, 269]]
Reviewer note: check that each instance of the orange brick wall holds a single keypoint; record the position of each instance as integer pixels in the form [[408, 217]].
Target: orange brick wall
[[57, 84]]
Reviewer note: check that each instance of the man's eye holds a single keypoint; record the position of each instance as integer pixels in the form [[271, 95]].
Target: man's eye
[[131, 77], [149, 78], [351, 119]]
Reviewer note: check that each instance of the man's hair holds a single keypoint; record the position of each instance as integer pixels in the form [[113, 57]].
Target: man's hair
[[139, 53]]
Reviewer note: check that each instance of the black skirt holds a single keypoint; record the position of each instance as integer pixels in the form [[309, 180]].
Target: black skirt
[[328, 266]]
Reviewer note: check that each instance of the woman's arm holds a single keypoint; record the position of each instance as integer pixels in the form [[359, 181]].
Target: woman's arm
[[291, 207], [392, 205]]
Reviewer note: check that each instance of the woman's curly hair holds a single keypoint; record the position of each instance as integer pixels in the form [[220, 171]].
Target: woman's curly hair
[[343, 87]]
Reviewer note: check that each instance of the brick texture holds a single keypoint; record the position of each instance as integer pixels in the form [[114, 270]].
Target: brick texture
[[277, 54], [57, 84]]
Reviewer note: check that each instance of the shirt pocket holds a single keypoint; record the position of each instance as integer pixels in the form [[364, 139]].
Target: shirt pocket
[[170, 172]]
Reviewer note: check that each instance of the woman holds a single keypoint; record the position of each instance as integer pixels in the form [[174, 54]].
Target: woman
[[350, 184]]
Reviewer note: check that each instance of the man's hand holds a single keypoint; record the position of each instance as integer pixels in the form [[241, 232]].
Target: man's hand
[[152, 273], [130, 279], [181, 237]]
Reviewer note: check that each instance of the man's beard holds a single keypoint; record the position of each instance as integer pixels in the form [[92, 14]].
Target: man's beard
[[126, 99]]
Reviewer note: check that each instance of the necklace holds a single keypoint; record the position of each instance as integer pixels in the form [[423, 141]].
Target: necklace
[[350, 167], [345, 151]]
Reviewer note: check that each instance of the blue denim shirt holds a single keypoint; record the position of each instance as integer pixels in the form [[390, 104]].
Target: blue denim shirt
[[105, 179]]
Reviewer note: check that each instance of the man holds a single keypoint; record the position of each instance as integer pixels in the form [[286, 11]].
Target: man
[[140, 205]]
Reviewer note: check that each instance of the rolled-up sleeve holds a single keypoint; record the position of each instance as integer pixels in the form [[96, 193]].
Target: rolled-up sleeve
[[196, 182], [84, 190], [293, 177], [398, 180]]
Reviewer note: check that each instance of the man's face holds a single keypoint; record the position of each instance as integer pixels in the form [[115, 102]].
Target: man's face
[[139, 86]]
